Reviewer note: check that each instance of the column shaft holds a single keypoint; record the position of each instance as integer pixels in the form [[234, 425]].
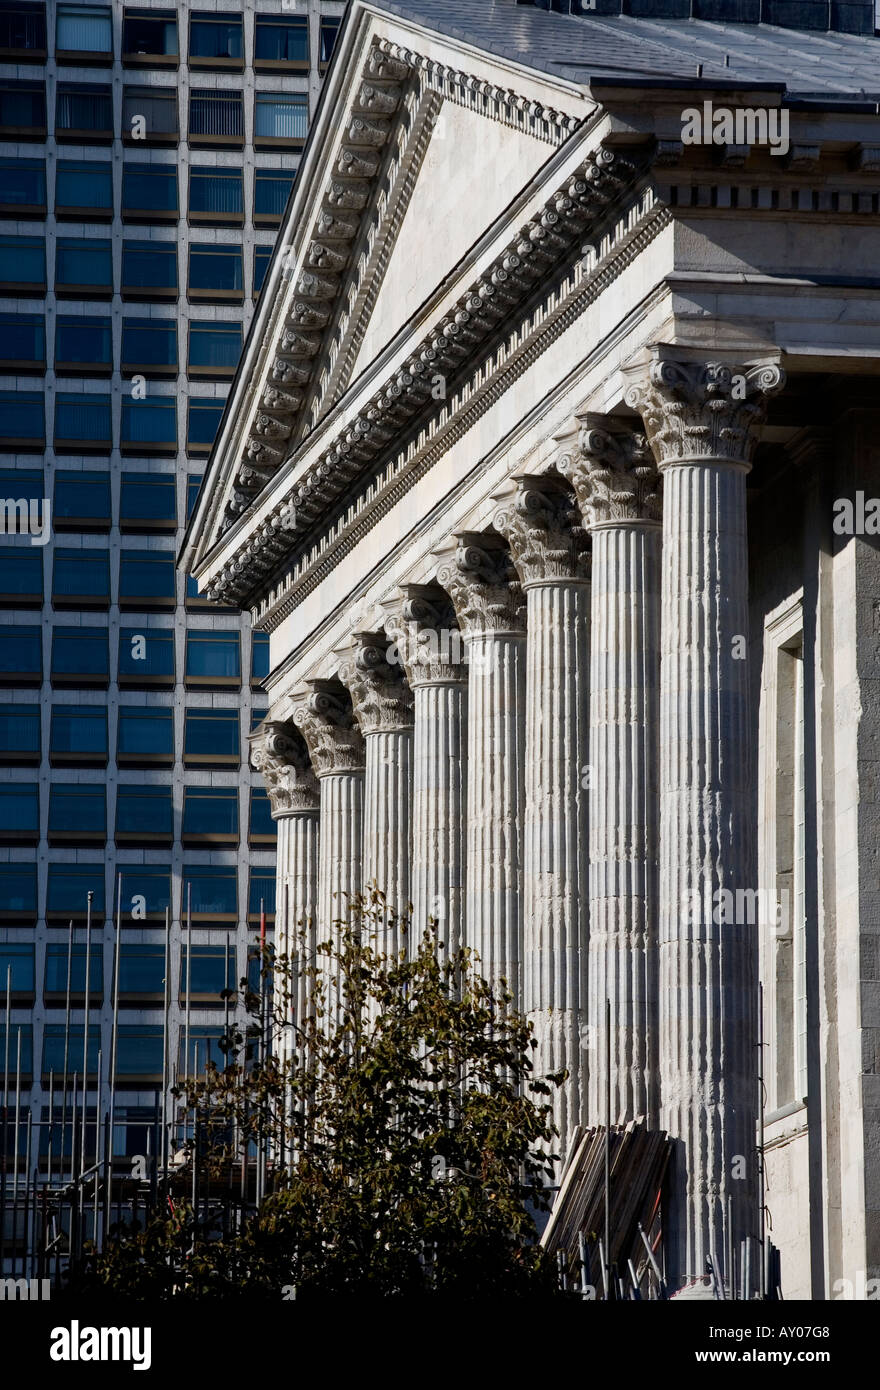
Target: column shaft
[[439, 809], [386, 851]]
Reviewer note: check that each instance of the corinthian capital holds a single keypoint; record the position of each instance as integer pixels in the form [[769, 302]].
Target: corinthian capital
[[280, 755], [613, 473], [327, 723], [483, 585], [427, 639], [698, 412], [545, 532], [381, 698]]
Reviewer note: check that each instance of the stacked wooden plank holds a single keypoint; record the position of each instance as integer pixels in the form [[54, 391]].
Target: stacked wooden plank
[[638, 1158]]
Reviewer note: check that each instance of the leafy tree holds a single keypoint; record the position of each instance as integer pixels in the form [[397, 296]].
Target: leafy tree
[[402, 1141]]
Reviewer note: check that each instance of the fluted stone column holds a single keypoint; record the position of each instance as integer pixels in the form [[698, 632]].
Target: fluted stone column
[[490, 608], [432, 650], [701, 422], [280, 755], [336, 749], [383, 706], [615, 478], [549, 547]]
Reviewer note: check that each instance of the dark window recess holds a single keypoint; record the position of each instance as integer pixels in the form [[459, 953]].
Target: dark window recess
[[23, 264], [216, 117], [23, 109], [21, 577], [19, 741], [145, 736], [214, 348], [215, 195], [58, 1043], [271, 192], [212, 36], [262, 257], [261, 891], [148, 502], [259, 656], [84, 31], [22, 31], [327, 39], [80, 657], [16, 975], [81, 579], [202, 423], [280, 116], [193, 484], [215, 272], [83, 344], [142, 972], [146, 657], [84, 109], [149, 115], [149, 191], [78, 736], [83, 189], [146, 891], [82, 423], [208, 972], [211, 737], [77, 813], [22, 420], [205, 1045], [21, 655], [213, 658], [22, 340], [63, 963], [23, 187], [149, 425], [212, 892], [149, 344], [149, 270], [149, 34], [146, 580], [68, 889], [83, 268], [210, 815], [262, 829], [19, 813], [281, 39], [82, 502], [144, 814], [18, 894]]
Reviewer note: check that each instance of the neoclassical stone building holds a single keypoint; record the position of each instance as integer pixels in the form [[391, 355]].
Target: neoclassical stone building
[[534, 472]]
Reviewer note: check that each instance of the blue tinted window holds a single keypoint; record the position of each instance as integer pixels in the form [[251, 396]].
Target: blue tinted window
[[80, 651], [21, 415], [214, 344], [271, 191], [149, 32], [139, 1051], [16, 970], [215, 37], [215, 268], [146, 574], [84, 29], [210, 654], [84, 340], [86, 106], [210, 811], [23, 182], [82, 419], [21, 651], [281, 115], [148, 265], [149, 342], [279, 38], [22, 338], [215, 191], [211, 970], [262, 257], [149, 497], [211, 733], [146, 651], [68, 886], [19, 729], [81, 574], [204, 1047], [203, 421], [21, 574], [215, 114], [19, 809], [79, 730], [57, 957], [193, 483], [150, 421], [261, 822], [22, 259], [259, 655], [261, 888], [84, 184], [214, 890], [152, 882], [18, 889], [76, 808], [145, 732], [327, 39], [57, 1045], [83, 497], [144, 811], [85, 262], [23, 105], [149, 188], [142, 969]]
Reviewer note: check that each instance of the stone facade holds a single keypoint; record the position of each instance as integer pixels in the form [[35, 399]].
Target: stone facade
[[556, 599]]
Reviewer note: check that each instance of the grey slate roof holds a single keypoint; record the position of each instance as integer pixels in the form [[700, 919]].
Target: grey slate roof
[[615, 47]]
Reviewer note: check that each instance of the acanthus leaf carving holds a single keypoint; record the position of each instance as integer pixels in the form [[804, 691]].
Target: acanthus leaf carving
[[325, 717], [380, 696], [544, 530], [699, 411], [482, 582], [613, 472], [281, 756]]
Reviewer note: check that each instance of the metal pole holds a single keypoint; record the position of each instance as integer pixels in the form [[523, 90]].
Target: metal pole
[[98, 1154], [5, 1119], [188, 980], [25, 1254], [113, 1055], [15, 1146], [162, 1155], [762, 1189], [66, 1050], [87, 998], [607, 1136], [731, 1271]]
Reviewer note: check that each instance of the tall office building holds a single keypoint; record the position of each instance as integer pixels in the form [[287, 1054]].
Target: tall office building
[[146, 157]]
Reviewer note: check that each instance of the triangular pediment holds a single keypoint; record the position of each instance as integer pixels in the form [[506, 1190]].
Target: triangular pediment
[[414, 156]]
